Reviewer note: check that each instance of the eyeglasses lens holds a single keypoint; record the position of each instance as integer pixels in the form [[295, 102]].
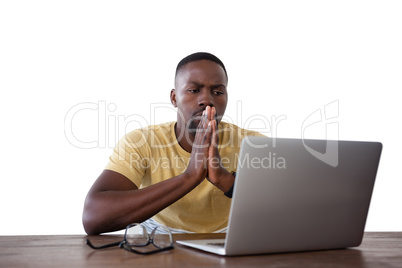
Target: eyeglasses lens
[[162, 237], [137, 235]]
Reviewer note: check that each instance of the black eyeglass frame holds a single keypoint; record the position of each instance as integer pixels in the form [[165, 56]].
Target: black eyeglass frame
[[129, 247]]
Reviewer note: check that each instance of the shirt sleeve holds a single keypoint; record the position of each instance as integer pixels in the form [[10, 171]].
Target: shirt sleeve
[[129, 157]]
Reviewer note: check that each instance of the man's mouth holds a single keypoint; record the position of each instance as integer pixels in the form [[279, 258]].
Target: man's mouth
[[198, 113]]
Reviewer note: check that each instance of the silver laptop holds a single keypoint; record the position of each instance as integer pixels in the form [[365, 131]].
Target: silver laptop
[[298, 195]]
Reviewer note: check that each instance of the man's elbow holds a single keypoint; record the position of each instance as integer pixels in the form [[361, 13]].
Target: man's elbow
[[89, 224], [89, 221]]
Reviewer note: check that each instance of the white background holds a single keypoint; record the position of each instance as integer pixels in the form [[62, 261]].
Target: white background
[[284, 58]]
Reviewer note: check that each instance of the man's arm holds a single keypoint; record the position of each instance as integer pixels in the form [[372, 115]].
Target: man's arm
[[114, 201]]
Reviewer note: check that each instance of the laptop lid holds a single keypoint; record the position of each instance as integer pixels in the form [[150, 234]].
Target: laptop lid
[[299, 195]]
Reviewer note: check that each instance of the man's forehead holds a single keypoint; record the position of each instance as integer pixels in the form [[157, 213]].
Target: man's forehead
[[201, 71]]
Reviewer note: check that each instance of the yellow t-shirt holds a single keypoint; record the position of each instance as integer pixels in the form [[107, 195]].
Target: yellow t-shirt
[[152, 154]]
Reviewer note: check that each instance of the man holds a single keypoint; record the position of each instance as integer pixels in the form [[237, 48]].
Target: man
[[174, 172]]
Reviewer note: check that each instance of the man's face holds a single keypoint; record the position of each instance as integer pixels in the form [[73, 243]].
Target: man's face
[[199, 84]]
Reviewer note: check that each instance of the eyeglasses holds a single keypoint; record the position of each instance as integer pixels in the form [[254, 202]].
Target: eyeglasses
[[137, 236]]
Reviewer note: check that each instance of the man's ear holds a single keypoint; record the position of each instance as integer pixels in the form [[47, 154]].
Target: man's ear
[[173, 98]]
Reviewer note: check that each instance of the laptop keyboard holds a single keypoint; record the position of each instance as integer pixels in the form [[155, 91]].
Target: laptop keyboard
[[220, 245]]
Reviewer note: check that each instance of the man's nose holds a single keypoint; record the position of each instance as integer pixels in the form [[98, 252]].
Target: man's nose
[[205, 99]]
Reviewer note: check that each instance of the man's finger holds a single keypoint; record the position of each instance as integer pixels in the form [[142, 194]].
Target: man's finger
[[208, 111], [209, 129], [212, 115], [215, 137]]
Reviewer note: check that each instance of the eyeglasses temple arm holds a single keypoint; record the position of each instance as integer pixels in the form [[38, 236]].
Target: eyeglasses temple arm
[[101, 247], [124, 246]]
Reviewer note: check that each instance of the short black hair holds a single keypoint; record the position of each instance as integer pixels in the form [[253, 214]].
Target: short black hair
[[200, 56]]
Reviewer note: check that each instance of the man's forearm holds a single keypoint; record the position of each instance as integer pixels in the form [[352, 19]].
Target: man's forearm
[[107, 211], [226, 182]]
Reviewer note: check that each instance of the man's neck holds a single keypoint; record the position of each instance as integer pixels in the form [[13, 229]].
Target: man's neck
[[184, 138]]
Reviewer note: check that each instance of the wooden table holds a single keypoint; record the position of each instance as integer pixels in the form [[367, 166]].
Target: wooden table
[[377, 250]]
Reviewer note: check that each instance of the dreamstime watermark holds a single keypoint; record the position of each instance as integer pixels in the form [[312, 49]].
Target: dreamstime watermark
[[112, 126], [325, 118], [176, 162]]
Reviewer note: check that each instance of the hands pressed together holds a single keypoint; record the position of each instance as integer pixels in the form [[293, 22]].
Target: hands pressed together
[[205, 161]]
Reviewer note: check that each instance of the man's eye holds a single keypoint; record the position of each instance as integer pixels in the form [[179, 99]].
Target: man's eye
[[218, 92], [193, 90]]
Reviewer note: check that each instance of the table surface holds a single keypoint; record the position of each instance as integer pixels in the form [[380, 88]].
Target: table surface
[[378, 249]]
